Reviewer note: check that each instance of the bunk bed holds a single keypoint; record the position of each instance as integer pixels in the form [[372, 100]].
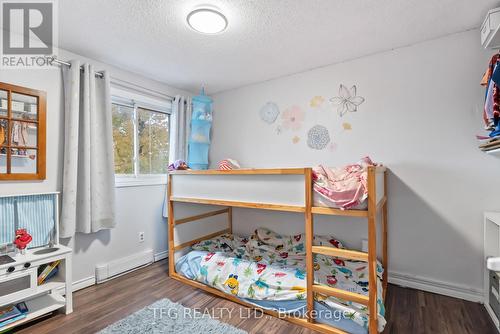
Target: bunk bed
[[291, 191]]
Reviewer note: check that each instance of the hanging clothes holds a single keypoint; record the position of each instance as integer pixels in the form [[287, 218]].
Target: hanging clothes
[[492, 98]]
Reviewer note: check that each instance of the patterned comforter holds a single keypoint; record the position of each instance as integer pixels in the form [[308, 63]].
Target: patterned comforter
[[269, 266]]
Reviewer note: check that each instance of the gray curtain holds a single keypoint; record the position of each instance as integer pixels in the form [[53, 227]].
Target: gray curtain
[[88, 199], [179, 133]]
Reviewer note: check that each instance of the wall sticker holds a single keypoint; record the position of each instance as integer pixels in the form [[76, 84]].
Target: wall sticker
[[316, 101], [347, 101], [292, 118], [269, 112], [318, 137]]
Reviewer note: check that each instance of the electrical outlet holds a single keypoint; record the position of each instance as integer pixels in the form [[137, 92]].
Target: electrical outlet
[[141, 236], [364, 245]]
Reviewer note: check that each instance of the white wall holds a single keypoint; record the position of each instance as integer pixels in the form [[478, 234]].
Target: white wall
[[138, 208], [422, 110]]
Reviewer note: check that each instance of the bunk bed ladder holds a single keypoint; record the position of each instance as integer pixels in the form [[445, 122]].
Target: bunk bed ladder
[[372, 252], [309, 230], [374, 205]]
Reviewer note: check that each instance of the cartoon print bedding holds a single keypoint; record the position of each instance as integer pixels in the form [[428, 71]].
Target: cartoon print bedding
[[269, 266]]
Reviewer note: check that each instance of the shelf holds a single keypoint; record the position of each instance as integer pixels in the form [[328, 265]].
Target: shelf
[[19, 111], [16, 156], [53, 284], [495, 152], [38, 307]]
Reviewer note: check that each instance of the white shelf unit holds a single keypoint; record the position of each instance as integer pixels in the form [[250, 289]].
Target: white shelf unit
[[490, 30], [55, 294], [491, 249], [40, 299]]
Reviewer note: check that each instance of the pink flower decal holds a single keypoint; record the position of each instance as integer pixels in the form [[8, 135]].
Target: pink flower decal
[[292, 118]]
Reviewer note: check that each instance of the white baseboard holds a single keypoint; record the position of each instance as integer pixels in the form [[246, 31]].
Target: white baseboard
[[91, 280], [435, 286], [80, 284], [83, 283], [161, 255]]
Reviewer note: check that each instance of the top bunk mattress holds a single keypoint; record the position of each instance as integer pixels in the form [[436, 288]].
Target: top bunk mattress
[[343, 188]]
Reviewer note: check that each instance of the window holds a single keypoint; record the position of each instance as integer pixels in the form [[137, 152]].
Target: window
[[22, 133], [141, 135]]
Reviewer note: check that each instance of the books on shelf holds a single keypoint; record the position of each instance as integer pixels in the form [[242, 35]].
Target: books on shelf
[[12, 313], [47, 271]]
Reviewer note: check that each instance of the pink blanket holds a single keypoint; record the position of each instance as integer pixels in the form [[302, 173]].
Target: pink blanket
[[345, 186]]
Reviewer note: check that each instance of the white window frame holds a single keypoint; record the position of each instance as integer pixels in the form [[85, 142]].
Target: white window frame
[[137, 100]]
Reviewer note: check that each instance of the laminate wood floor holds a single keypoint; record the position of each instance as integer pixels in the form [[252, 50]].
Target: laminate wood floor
[[408, 311]]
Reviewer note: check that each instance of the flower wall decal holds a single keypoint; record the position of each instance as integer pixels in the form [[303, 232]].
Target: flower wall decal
[[347, 126], [332, 147], [318, 137], [316, 101], [347, 101], [279, 130], [292, 118], [269, 112]]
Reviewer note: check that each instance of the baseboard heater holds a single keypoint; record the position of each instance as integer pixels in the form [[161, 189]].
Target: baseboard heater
[[115, 268]]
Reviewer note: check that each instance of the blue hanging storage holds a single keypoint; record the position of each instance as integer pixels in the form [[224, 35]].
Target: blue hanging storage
[[199, 139]]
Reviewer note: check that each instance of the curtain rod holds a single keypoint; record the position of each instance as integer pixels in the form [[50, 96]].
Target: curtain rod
[[65, 63], [120, 82]]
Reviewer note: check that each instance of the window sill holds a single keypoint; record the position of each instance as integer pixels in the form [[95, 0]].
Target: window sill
[[142, 181]]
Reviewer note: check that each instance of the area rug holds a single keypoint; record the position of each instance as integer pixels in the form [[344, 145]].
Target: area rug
[[165, 316]]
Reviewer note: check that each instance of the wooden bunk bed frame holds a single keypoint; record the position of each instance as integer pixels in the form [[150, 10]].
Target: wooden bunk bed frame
[[376, 206]]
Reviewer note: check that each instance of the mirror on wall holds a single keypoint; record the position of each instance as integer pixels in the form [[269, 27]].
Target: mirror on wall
[[22, 133]]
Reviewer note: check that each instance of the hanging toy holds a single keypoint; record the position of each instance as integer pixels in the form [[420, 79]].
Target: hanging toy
[[23, 238]]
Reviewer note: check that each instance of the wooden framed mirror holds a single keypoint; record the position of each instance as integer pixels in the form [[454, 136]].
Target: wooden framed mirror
[[22, 133]]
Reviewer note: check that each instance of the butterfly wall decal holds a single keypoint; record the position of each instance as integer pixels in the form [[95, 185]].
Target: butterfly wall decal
[[347, 101]]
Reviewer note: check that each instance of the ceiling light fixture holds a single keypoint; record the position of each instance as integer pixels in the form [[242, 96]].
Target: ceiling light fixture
[[207, 21]]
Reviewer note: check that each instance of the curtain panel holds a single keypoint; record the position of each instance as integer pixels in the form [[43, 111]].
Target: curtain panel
[[88, 198], [179, 133]]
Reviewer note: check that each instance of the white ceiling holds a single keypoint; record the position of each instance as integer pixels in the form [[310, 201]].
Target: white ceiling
[[265, 39]]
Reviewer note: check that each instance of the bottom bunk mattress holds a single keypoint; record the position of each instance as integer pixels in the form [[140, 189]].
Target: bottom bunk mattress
[[268, 270]]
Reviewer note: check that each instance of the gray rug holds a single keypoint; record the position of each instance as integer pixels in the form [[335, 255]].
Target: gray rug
[[165, 316]]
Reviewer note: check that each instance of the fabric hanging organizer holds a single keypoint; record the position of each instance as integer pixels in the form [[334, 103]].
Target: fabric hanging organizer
[[199, 140], [35, 213]]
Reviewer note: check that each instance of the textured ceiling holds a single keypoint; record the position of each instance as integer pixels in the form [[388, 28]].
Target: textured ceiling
[[265, 39]]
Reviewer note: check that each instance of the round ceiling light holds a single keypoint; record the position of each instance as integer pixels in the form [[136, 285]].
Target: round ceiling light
[[207, 21]]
